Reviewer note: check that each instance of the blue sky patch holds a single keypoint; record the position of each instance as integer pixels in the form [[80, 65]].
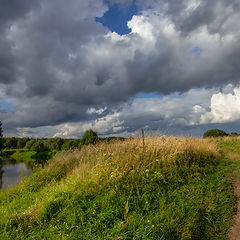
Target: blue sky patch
[[116, 18], [148, 95], [197, 51], [7, 107]]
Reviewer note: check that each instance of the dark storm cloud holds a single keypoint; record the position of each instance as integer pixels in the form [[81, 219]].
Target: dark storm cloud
[[57, 61], [9, 12], [210, 13], [164, 74]]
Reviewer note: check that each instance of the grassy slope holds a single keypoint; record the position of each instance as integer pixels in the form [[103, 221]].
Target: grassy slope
[[171, 189], [23, 155]]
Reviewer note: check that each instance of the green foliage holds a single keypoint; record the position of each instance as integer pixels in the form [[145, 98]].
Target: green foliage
[[234, 134], [1, 130], [1, 143], [21, 142], [39, 146], [215, 133], [89, 137], [11, 143], [29, 144], [110, 139], [54, 143], [71, 144], [23, 156]]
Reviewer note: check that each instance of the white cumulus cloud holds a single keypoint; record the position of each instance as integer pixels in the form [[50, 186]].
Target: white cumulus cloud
[[225, 107]]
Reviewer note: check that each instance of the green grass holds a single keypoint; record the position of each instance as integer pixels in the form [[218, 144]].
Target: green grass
[[23, 156], [171, 189], [26, 156]]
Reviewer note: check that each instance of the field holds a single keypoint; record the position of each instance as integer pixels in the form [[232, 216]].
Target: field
[[162, 188]]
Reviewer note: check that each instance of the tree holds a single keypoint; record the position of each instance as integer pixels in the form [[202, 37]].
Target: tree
[[89, 137], [70, 144], [1, 131], [234, 134], [1, 145], [10, 142], [21, 142], [215, 133]]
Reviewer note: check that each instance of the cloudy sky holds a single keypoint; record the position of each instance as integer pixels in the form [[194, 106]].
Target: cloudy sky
[[168, 66]]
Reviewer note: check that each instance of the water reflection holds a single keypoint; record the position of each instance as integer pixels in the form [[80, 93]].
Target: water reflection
[[12, 172]]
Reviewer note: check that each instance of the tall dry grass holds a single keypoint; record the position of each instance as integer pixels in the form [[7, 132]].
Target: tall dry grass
[[109, 161], [166, 188]]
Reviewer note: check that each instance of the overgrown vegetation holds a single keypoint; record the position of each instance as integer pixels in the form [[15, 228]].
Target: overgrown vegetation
[[53, 144], [219, 133], [41, 150], [168, 188], [215, 133]]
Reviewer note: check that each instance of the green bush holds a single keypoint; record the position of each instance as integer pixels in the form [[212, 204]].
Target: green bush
[[39, 146], [215, 133], [1, 143], [10, 143], [29, 144], [234, 134], [89, 137], [71, 144], [21, 142], [55, 143]]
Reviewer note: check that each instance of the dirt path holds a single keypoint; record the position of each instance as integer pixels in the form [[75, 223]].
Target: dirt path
[[235, 230]]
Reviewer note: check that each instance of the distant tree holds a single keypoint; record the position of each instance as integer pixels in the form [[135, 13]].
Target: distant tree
[[29, 144], [1, 130], [10, 142], [39, 146], [234, 134], [1, 144], [55, 143], [215, 133], [21, 142], [70, 144], [89, 137]]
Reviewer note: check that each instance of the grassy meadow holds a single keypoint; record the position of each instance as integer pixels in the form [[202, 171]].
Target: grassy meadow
[[164, 188]]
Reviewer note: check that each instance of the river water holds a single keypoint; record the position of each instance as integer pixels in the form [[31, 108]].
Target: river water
[[12, 172]]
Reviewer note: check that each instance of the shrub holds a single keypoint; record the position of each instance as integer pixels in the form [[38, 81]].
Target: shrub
[[70, 144], [55, 143], [1, 143], [10, 143], [89, 137], [29, 144], [215, 133], [234, 134], [21, 142], [39, 146]]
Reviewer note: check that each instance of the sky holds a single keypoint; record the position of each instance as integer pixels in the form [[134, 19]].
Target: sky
[[116, 66]]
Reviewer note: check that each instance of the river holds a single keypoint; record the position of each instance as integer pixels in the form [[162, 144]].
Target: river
[[12, 172]]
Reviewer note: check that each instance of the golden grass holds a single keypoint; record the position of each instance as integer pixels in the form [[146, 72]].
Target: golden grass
[[121, 183], [118, 158]]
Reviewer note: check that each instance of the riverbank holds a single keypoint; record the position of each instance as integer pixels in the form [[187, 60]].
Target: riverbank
[[168, 188]]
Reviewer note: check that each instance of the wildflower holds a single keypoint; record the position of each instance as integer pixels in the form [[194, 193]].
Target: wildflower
[[152, 226], [104, 154], [94, 211], [148, 221], [147, 170]]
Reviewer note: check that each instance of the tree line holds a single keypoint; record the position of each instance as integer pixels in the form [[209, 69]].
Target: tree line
[[52, 144], [219, 133]]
